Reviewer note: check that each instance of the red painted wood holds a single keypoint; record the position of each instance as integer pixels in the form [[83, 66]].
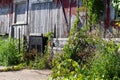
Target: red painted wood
[[5, 2], [9, 3], [70, 4], [107, 20]]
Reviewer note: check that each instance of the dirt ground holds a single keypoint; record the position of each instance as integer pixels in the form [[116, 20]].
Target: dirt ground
[[25, 75]]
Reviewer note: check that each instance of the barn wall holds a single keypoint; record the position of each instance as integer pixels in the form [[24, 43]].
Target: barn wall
[[20, 29], [5, 16], [50, 16], [47, 17], [19, 21], [38, 17], [4, 20]]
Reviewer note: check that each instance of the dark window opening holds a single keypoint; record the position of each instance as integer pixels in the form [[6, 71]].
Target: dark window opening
[[118, 13]]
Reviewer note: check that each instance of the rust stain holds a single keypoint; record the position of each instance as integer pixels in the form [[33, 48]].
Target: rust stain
[[68, 4]]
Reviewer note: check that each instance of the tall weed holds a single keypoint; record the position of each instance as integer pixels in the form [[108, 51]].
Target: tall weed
[[9, 54]]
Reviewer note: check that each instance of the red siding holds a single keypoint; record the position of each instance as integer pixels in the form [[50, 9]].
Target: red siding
[[70, 4], [5, 2], [107, 20]]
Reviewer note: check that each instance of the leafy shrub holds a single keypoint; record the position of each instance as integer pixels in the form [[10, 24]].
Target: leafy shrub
[[57, 59], [50, 35], [106, 62], [81, 44], [39, 61], [103, 64], [68, 69], [97, 59], [28, 56], [9, 54]]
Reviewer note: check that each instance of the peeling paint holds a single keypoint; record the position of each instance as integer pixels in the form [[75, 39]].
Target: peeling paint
[[5, 2]]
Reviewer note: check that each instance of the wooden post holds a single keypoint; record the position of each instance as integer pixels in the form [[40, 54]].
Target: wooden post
[[70, 1], [19, 41]]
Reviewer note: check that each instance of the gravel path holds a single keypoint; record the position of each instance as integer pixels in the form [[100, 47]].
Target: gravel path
[[26, 75]]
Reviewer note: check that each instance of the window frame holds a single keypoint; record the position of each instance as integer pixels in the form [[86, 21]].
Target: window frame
[[41, 1], [14, 13]]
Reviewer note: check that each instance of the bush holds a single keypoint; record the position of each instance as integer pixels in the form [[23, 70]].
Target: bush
[[97, 59], [103, 64], [81, 47], [81, 44], [106, 63], [68, 69], [39, 61], [57, 59], [9, 54]]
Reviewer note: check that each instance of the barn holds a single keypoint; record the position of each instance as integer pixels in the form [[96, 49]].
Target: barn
[[20, 18], [37, 16]]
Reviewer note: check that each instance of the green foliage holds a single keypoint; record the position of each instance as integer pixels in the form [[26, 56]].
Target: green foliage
[[106, 63], [58, 58], [116, 3], [95, 9], [81, 44], [50, 35], [68, 69], [97, 59], [102, 64], [40, 61], [28, 56], [9, 54], [13, 68]]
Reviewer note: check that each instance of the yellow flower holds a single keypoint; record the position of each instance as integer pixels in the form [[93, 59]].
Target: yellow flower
[[118, 24]]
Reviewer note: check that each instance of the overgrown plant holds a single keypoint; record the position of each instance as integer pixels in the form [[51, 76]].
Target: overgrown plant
[[68, 69], [81, 43], [39, 61], [50, 35], [94, 11], [97, 58], [9, 53], [106, 64]]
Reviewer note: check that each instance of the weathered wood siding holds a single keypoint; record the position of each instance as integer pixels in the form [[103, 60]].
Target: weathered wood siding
[[47, 17], [38, 17], [22, 29], [4, 20], [19, 18], [42, 17]]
